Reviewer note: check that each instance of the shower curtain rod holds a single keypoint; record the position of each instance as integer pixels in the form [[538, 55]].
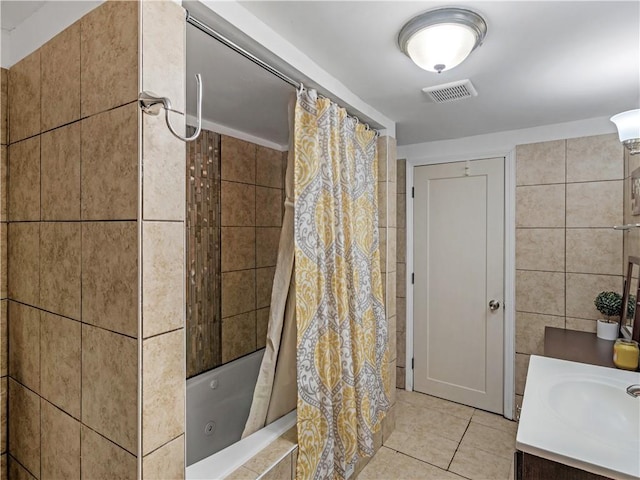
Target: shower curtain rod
[[203, 27]]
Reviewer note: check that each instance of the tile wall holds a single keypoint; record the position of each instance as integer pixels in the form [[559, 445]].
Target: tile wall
[[632, 237], [73, 251], [401, 274], [569, 194], [252, 207], [4, 358], [96, 263], [235, 211], [387, 227], [161, 230], [203, 322]]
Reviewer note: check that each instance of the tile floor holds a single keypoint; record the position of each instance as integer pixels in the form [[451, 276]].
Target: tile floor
[[437, 439]]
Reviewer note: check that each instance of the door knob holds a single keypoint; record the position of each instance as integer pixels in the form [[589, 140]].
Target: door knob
[[494, 305]]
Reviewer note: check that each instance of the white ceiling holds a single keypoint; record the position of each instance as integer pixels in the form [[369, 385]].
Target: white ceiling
[[16, 12], [541, 63]]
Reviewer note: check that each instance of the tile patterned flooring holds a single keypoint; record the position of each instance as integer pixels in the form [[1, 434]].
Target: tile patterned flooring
[[437, 439]]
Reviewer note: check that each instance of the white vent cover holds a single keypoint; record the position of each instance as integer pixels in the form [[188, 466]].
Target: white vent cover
[[448, 92]]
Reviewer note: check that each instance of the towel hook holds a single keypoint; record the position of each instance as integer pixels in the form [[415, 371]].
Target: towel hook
[[151, 104]]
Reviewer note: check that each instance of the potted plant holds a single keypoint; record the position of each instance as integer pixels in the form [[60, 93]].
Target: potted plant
[[609, 304]]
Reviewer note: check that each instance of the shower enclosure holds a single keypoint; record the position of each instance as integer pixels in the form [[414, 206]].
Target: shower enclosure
[[235, 201]]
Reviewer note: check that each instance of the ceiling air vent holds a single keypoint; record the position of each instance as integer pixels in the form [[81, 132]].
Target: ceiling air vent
[[448, 92]]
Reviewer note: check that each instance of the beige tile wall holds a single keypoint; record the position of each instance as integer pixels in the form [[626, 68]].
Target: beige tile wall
[[632, 237], [569, 194], [252, 207], [161, 234], [4, 340], [631, 242], [401, 272], [82, 257], [202, 296], [387, 227]]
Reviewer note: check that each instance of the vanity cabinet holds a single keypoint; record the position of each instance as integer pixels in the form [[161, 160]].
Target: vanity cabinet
[[575, 346], [531, 467]]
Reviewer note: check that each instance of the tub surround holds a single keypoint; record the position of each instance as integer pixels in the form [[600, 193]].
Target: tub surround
[[252, 207], [91, 236], [4, 358], [267, 450], [234, 211], [203, 253]]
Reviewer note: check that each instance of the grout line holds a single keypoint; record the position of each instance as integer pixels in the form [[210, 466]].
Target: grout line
[[79, 119], [566, 172], [39, 294], [255, 246], [164, 444], [250, 184], [144, 339], [69, 318], [415, 458], [14, 459], [570, 183], [81, 256], [565, 227], [87, 221], [460, 442], [570, 272], [107, 439]]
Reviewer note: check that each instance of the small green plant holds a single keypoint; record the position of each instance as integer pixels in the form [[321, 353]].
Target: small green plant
[[609, 304]]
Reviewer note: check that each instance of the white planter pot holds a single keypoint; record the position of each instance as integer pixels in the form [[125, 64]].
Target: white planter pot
[[607, 331]]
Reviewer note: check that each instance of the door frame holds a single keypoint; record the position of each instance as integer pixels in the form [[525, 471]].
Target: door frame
[[509, 266]]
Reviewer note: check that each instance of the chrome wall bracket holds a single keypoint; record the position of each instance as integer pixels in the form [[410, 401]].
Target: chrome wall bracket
[[152, 104], [626, 227]]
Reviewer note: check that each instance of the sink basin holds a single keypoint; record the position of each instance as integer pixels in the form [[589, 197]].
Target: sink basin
[[581, 415], [597, 406]]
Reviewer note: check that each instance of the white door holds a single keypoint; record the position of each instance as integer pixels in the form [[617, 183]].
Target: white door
[[458, 266]]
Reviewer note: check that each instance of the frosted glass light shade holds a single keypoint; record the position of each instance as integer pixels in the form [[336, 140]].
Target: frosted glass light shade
[[440, 39], [628, 124], [441, 47]]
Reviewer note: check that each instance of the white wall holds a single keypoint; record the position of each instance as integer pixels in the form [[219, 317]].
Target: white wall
[[497, 144], [41, 27], [4, 47]]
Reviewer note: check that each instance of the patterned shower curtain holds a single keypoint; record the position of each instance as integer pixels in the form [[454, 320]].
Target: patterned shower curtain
[[343, 381]]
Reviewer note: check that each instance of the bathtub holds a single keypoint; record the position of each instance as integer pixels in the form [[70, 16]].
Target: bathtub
[[218, 404]]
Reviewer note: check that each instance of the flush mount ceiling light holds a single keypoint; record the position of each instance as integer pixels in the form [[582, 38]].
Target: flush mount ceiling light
[[628, 124], [440, 39]]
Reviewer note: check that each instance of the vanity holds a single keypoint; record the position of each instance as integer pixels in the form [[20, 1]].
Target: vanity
[[577, 421], [575, 346], [580, 416]]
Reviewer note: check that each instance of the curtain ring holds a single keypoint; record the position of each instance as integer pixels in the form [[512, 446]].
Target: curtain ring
[[300, 89]]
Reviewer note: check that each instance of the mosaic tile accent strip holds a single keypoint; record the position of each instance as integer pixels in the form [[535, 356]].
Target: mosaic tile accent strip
[[204, 348]]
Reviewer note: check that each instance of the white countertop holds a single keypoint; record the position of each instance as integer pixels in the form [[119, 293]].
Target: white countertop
[[580, 415]]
